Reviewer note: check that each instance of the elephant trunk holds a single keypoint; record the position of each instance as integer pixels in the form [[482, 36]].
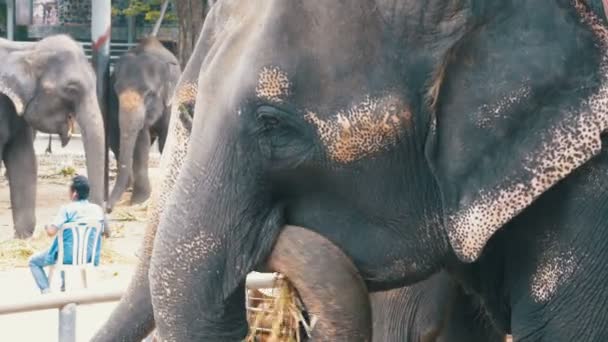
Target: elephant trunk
[[90, 121], [133, 318], [215, 228], [131, 122], [328, 283]]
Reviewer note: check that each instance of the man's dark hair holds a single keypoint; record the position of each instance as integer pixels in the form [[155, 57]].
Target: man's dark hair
[[80, 184]]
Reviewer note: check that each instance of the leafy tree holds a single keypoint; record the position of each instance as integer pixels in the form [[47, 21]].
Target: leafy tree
[[146, 10]]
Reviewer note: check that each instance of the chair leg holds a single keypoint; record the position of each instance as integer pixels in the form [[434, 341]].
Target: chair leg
[[83, 274], [62, 281], [50, 277]]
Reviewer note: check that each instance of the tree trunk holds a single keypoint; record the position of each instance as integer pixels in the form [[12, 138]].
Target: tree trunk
[[191, 15]]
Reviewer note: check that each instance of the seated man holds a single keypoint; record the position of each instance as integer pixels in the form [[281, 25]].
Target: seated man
[[79, 209]]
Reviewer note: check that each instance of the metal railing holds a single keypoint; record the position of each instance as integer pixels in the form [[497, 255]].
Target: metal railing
[[116, 49], [67, 303]]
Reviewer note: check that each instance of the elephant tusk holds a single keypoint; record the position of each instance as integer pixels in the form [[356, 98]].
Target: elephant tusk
[[70, 127]]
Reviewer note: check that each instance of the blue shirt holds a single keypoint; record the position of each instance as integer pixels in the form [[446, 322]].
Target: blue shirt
[[72, 212]]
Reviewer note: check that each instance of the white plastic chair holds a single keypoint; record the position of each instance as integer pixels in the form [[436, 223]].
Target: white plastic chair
[[81, 233]]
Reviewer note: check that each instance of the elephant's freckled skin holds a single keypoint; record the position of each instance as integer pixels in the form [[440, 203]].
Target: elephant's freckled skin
[[367, 128], [186, 93], [130, 100], [488, 114], [192, 249], [567, 146], [273, 85], [177, 147], [550, 274]]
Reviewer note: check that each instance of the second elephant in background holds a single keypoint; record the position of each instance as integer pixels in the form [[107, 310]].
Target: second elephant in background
[[142, 85]]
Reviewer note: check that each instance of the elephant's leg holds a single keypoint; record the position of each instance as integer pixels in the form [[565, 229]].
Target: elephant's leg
[[328, 283], [21, 168], [114, 145], [141, 182], [49, 148]]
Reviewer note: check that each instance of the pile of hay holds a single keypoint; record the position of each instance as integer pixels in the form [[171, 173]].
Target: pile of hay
[[15, 252], [137, 212], [275, 317]]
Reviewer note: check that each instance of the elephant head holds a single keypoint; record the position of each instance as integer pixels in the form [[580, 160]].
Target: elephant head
[[51, 84], [407, 133], [143, 81]]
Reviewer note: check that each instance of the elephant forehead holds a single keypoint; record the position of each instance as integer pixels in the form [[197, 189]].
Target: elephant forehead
[[130, 99], [366, 128], [273, 84]]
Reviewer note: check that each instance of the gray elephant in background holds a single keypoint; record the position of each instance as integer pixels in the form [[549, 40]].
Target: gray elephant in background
[[46, 86], [143, 83]]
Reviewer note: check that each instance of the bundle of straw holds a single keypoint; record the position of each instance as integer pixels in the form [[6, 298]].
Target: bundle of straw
[[275, 318]]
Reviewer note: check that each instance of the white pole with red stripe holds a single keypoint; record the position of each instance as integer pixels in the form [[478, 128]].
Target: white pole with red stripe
[[101, 29]]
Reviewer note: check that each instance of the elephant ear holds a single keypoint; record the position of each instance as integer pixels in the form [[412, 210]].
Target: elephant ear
[[509, 123], [17, 79]]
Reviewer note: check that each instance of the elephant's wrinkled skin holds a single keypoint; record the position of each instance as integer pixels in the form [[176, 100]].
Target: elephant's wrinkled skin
[[434, 310], [45, 86], [143, 83]]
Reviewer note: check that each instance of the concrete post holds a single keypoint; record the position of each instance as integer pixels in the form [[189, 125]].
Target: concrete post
[[130, 30], [101, 28], [10, 19], [67, 323]]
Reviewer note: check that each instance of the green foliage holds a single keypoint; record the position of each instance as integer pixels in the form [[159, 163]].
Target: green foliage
[[152, 16], [149, 10]]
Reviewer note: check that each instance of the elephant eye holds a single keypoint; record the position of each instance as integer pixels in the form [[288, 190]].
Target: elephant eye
[[281, 137], [268, 121], [72, 89]]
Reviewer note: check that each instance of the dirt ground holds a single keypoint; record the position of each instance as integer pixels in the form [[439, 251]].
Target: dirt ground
[[127, 222]]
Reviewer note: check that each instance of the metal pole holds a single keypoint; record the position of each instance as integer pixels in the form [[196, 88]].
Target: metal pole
[[160, 18], [101, 28], [10, 19], [58, 300], [67, 323], [254, 280], [130, 30]]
